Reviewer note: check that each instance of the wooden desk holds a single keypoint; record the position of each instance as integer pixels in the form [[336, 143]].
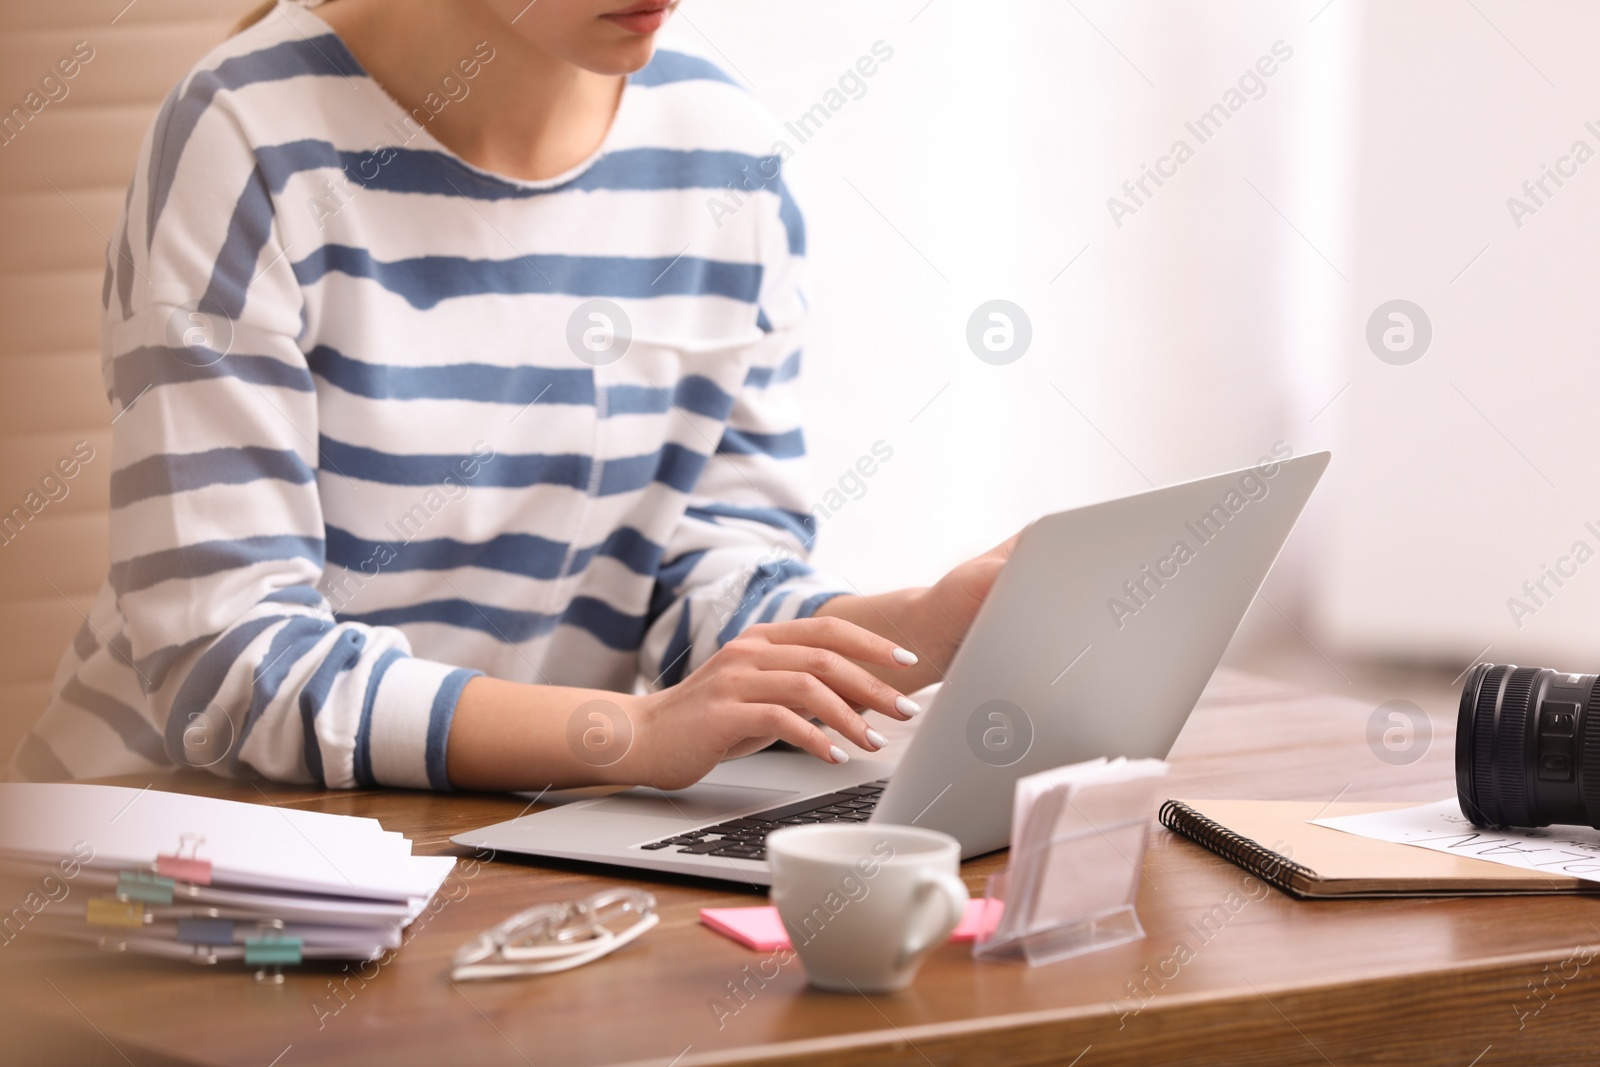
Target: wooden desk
[[1282, 982]]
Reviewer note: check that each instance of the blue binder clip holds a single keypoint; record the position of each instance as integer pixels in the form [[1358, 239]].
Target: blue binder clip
[[205, 931], [206, 935]]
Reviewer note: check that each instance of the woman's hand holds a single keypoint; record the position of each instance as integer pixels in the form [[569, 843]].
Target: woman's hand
[[949, 607], [764, 684], [931, 622], [761, 686]]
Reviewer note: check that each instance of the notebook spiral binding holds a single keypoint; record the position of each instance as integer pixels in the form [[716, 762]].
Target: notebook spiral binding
[[1271, 867]]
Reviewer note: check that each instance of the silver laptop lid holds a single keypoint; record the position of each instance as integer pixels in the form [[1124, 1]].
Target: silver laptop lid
[[1097, 639]]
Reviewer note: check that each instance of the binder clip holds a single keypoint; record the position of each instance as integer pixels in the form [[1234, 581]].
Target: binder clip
[[144, 887], [185, 864], [271, 949], [206, 934], [557, 937], [116, 912]]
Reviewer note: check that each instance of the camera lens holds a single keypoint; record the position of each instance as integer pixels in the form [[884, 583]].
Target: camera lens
[[1528, 747]]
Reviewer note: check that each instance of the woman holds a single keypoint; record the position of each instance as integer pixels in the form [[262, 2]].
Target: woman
[[445, 416]]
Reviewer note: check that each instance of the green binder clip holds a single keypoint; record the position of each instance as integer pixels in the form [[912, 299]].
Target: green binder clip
[[272, 950], [145, 887]]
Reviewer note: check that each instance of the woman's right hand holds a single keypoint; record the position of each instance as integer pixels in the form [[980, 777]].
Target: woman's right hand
[[764, 685]]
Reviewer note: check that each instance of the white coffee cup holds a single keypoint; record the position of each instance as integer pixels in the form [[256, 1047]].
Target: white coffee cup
[[864, 902]]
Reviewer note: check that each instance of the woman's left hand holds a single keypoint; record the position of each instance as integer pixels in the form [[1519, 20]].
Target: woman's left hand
[[953, 601], [931, 622]]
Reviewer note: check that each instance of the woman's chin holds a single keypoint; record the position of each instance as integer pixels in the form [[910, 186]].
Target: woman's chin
[[621, 57]]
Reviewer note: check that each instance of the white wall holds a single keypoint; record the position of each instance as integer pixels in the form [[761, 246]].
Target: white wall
[[1466, 471], [977, 166]]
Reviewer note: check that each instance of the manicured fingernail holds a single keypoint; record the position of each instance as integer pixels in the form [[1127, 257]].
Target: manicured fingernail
[[838, 754], [875, 739], [905, 657], [907, 706]]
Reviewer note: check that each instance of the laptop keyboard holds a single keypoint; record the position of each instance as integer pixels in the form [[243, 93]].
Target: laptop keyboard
[[745, 838]]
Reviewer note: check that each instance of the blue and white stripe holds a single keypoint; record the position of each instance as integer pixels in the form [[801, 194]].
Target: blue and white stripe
[[395, 474]]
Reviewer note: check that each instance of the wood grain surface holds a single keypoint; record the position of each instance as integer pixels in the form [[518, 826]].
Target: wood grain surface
[[1231, 972]]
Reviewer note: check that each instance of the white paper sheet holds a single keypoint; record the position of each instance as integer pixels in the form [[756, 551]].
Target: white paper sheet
[[251, 846], [1573, 851], [343, 887]]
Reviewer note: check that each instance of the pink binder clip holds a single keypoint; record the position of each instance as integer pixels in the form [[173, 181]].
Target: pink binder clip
[[185, 865]]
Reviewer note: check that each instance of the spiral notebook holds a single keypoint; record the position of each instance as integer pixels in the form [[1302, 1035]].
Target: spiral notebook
[[1275, 841]]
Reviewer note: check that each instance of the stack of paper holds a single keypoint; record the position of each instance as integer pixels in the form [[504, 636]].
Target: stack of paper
[[201, 878]]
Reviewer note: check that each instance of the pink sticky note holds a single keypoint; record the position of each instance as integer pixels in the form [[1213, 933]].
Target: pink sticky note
[[762, 930], [757, 928], [972, 920]]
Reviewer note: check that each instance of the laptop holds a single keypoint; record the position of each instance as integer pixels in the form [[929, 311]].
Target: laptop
[[1096, 640]]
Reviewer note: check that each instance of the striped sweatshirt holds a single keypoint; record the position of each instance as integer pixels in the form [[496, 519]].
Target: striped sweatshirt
[[384, 420]]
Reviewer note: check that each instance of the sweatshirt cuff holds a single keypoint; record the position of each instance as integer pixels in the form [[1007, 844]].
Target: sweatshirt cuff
[[813, 603], [409, 727]]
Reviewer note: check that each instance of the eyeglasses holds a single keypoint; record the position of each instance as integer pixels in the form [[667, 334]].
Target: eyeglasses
[[556, 937]]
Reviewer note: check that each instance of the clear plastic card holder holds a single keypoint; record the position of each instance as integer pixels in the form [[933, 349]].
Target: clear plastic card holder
[[1073, 891]]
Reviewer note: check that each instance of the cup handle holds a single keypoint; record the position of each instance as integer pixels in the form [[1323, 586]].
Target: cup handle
[[950, 895]]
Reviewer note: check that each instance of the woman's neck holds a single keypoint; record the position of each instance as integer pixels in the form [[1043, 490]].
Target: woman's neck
[[526, 114]]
